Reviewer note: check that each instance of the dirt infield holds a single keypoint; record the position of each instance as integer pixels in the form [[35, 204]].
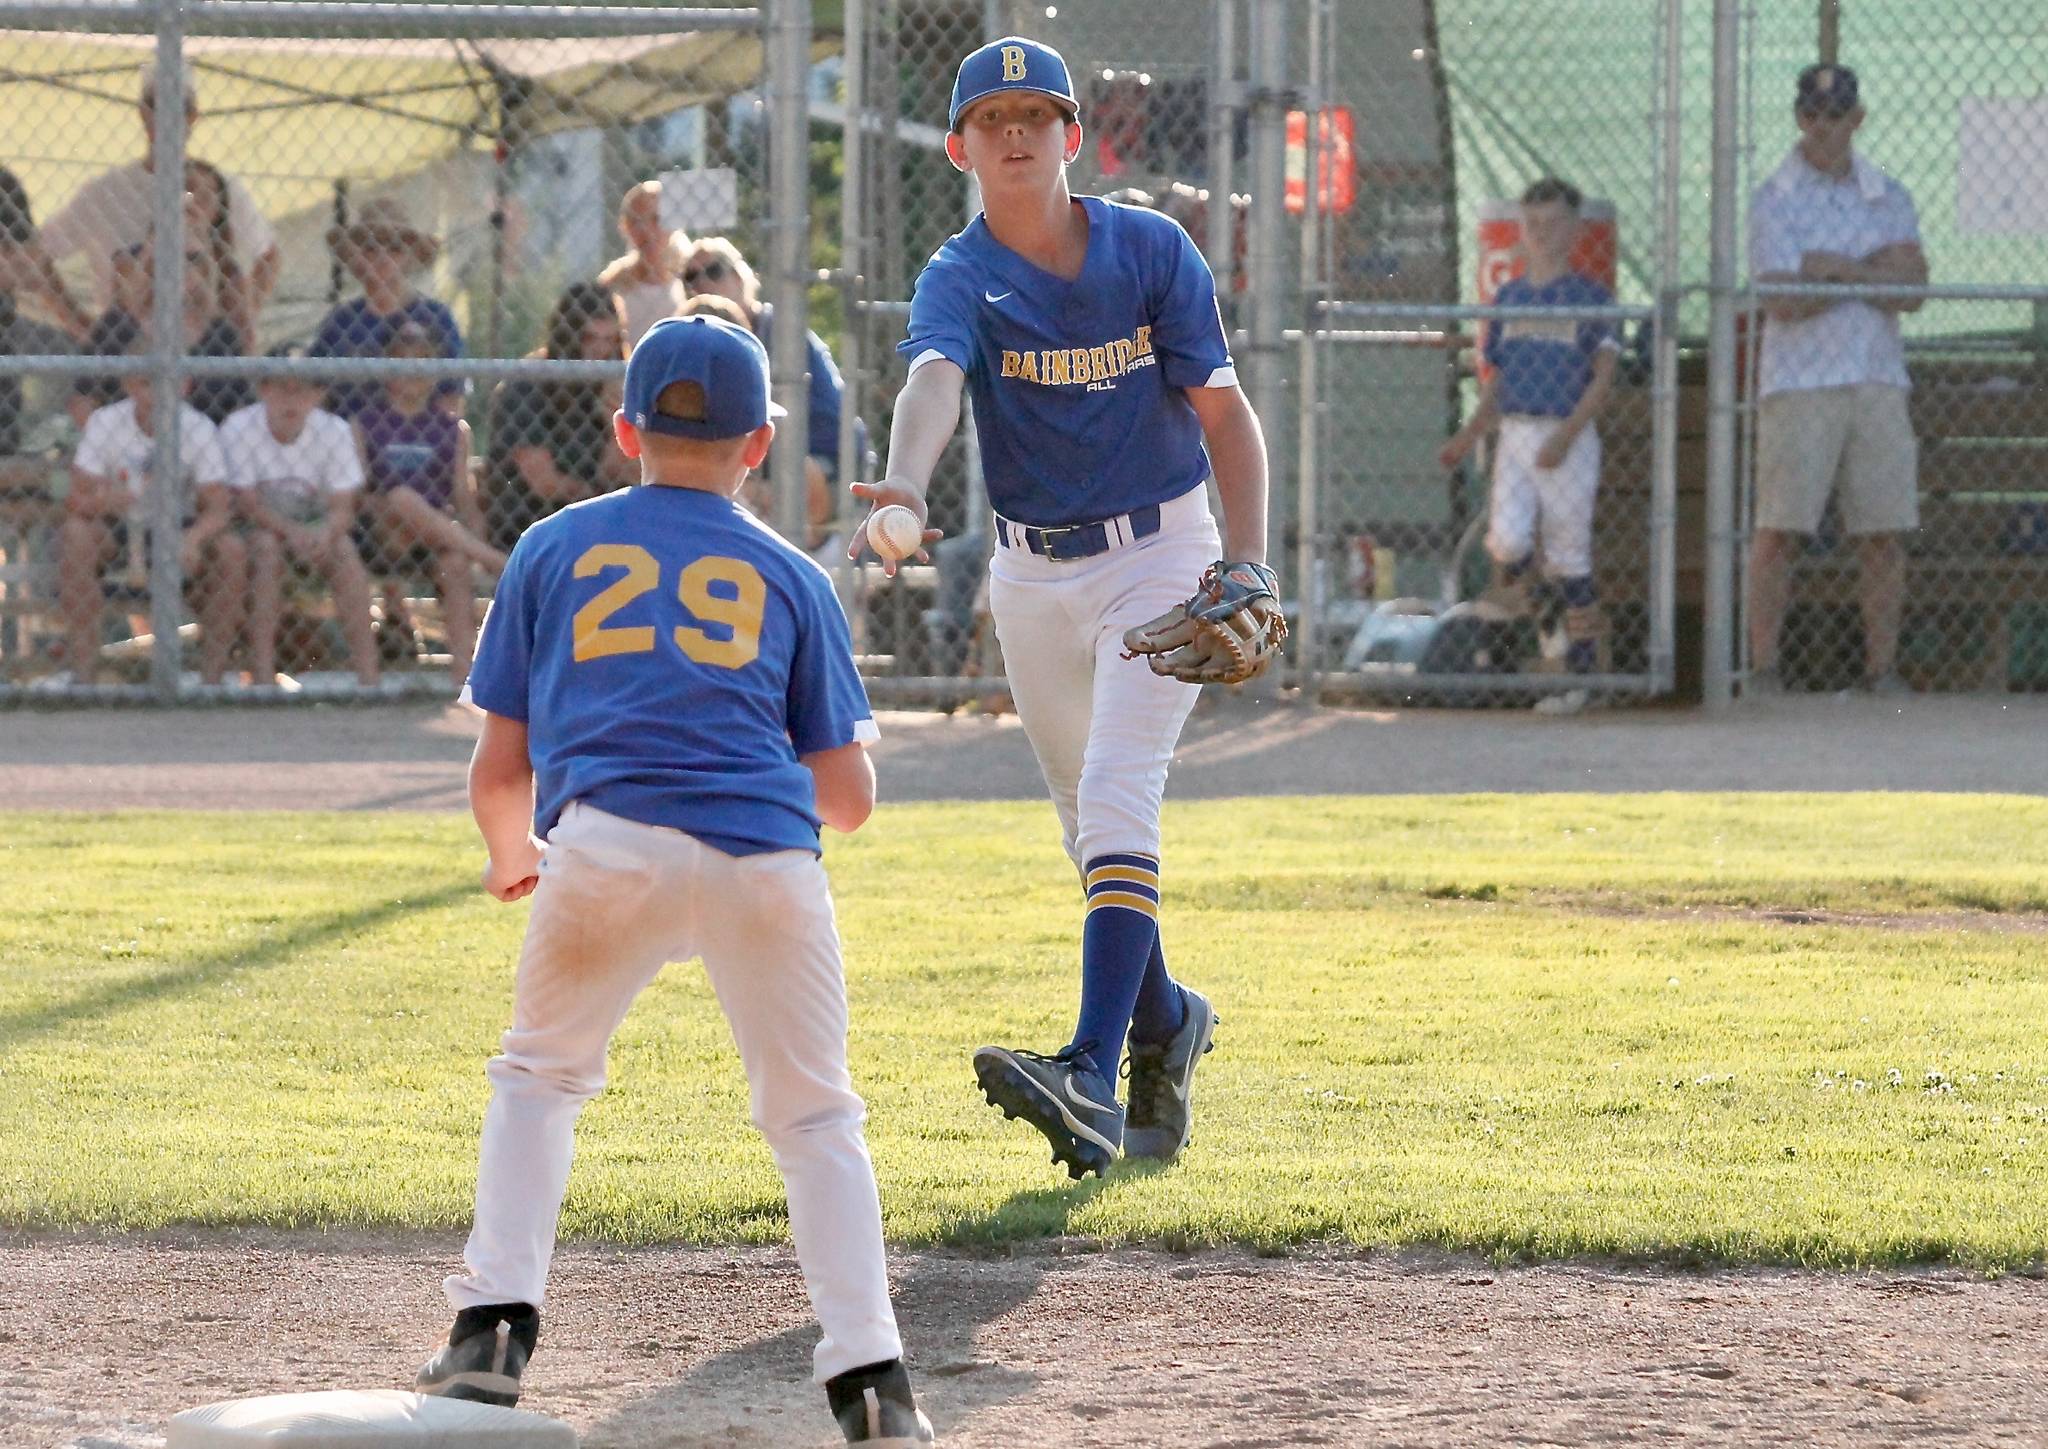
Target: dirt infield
[[104, 1339], [1058, 1346], [412, 757]]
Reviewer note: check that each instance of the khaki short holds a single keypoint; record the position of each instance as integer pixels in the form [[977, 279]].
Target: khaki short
[[1809, 440]]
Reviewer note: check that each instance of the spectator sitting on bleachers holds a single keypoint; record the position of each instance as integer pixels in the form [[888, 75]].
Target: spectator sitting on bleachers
[[716, 269], [382, 249], [551, 442], [647, 280], [210, 328], [107, 519], [114, 212], [210, 222], [423, 508], [297, 475], [25, 272]]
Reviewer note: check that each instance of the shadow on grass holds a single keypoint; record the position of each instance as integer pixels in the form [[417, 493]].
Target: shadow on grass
[[217, 966], [1039, 1212]]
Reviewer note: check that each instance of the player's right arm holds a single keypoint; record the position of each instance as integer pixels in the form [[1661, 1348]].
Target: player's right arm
[[927, 415], [501, 800], [845, 781], [1483, 417]]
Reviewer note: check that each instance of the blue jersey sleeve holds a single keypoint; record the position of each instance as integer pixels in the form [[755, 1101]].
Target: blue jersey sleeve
[[828, 392], [501, 678], [1510, 293], [1187, 330], [941, 316], [828, 704], [1594, 335]]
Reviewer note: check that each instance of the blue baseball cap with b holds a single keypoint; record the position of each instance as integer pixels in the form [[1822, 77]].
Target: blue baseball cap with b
[[727, 362], [1012, 64]]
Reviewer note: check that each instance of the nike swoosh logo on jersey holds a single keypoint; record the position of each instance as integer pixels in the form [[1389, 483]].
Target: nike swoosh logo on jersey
[[994, 296]]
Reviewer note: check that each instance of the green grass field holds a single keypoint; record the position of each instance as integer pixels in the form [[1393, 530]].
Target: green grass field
[[1536, 1026]]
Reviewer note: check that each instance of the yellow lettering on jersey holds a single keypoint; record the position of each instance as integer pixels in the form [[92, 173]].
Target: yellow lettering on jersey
[[1013, 62], [590, 638], [1083, 366], [741, 613]]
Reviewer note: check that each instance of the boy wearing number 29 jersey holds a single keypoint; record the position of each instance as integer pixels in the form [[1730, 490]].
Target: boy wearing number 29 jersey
[[671, 706]]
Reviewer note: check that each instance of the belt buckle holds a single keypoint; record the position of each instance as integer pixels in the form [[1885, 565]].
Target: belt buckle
[[1050, 536]]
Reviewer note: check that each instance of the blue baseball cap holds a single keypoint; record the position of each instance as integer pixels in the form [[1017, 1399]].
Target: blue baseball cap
[[1012, 64], [728, 362]]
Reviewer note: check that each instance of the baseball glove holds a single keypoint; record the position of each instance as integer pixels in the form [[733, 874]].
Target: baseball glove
[[1225, 634]]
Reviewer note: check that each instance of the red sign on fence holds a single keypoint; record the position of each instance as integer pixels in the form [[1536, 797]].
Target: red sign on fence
[[1337, 173]]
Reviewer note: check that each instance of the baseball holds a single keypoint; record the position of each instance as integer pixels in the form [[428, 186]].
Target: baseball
[[894, 532]]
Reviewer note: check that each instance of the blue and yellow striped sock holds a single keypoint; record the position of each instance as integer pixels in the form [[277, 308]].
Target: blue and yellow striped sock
[[1117, 944], [1161, 1008]]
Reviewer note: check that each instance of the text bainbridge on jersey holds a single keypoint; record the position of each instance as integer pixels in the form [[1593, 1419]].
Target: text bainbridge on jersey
[[1063, 366]]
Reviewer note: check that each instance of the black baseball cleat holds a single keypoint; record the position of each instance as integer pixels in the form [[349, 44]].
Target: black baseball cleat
[[486, 1352], [1063, 1096], [874, 1406], [1162, 1081]]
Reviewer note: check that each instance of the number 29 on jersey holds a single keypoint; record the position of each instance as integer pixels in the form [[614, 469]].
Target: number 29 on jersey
[[738, 607]]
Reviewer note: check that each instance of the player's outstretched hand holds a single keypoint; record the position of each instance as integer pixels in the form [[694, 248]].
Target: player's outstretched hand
[[881, 495], [514, 877]]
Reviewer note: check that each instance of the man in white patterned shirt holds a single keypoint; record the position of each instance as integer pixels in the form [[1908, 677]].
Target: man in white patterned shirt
[[1832, 382]]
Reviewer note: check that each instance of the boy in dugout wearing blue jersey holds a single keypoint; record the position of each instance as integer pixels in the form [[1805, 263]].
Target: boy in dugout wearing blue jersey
[[671, 706], [1550, 379], [1105, 397]]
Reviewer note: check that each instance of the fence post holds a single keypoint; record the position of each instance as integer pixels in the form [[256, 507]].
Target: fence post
[[1718, 624], [1307, 459], [1224, 100], [852, 264], [1269, 97], [789, 63], [166, 359], [1664, 362]]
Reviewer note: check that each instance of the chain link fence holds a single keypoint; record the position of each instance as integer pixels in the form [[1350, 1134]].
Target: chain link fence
[[1894, 372], [392, 258], [430, 232], [1488, 458]]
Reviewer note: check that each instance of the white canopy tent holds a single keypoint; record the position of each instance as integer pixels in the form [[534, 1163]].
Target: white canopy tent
[[314, 124]]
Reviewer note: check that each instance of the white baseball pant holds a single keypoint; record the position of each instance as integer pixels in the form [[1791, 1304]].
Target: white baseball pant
[[617, 900], [1555, 504], [1103, 727]]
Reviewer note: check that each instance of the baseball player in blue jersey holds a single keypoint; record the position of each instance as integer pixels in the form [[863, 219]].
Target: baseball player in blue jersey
[[672, 706], [1088, 336], [1550, 380]]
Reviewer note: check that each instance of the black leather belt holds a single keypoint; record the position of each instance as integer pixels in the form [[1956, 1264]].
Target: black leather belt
[[1080, 540]]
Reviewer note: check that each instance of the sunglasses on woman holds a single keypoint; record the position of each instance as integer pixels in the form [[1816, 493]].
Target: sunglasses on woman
[[709, 272]]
